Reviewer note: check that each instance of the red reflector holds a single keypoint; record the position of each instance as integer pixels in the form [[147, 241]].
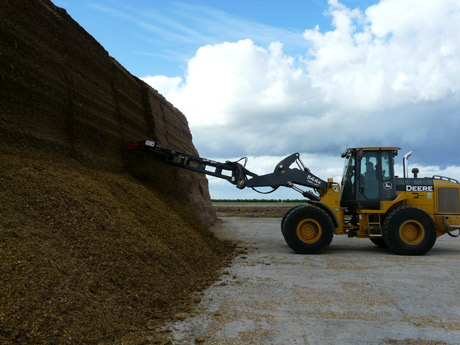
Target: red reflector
[[132, 145]]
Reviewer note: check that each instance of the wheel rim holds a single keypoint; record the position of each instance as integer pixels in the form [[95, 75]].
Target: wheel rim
[[411, 232], [309, 230]]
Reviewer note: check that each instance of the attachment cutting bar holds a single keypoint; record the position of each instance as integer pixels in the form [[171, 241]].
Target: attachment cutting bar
[[233, 172]]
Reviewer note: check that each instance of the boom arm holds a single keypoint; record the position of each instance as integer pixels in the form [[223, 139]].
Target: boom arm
[[236, 173]]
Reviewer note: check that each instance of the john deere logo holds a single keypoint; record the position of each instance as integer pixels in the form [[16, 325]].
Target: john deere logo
[[387, 185], [410, 188]]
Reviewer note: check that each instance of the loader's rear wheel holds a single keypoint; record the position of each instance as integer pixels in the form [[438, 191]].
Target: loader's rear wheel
[[379, 241], [285, 215], [409, 231], [308, 230]]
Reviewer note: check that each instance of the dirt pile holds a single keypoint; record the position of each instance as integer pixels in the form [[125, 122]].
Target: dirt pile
[[97, 243]]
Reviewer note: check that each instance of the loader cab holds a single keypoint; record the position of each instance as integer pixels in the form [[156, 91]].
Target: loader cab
[[368, 177]]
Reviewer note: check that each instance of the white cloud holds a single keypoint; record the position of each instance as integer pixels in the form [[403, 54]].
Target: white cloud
[[400, 52], [163, 84], [231, 83], [386, 76]]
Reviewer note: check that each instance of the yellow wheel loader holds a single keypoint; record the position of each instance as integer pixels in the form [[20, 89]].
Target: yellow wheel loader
[[405, 214]]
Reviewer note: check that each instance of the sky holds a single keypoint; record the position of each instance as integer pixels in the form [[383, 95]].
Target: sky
[[265, 79]]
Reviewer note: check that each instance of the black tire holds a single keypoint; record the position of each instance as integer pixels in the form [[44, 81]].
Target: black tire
[[308, 230], [409, 231], [379, 241], [285, 215]]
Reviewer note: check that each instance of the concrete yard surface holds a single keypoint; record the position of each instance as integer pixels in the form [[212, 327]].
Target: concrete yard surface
[[354, 293]]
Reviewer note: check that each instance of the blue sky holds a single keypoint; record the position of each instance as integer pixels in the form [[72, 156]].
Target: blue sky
[[159, 37], [265, 79]]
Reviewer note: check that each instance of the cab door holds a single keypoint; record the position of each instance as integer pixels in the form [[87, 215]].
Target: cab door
[[376, 178], [369, 168]]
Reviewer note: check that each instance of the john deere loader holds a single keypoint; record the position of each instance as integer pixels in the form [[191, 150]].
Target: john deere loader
[[405, 214]]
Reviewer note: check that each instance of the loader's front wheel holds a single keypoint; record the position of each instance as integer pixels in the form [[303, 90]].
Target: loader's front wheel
[[409, 231], [308, 230]]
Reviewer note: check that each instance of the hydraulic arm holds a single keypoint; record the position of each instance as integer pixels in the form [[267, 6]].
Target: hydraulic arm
[[236, 173]]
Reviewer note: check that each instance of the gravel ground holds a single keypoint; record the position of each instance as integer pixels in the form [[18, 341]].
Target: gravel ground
[[355, 293]]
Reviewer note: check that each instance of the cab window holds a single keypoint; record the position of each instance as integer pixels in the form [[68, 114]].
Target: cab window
[[369, 175]]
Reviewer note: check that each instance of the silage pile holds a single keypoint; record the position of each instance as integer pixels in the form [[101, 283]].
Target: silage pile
[[97, 244]]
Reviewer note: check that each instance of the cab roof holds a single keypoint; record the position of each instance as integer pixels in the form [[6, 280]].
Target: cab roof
[[356, 149], [385, 148]]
